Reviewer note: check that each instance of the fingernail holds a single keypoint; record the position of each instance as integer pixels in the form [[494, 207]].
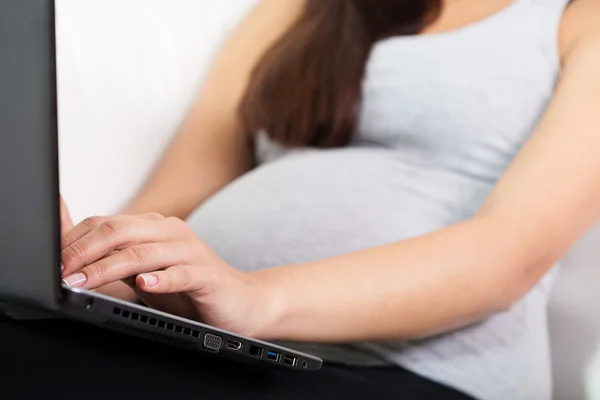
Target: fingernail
[[75, 280], [149, 280], [62, 267]]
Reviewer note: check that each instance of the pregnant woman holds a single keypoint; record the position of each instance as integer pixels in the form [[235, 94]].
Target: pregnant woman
[[387, 184]]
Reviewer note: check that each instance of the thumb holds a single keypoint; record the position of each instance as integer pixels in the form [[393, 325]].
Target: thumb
[[66, 224]]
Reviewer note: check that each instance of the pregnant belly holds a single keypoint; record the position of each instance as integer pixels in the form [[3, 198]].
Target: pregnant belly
[[316, 204]]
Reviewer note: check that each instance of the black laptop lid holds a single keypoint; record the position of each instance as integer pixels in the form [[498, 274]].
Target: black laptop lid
[[29, 216]]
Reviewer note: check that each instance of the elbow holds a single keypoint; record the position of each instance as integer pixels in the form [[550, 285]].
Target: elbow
[[508, 294], [497, 300], [503, 304], [491, 304], [510, 290]]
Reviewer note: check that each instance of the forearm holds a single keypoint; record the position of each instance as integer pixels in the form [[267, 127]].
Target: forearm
[[193, 169], [411, 289]]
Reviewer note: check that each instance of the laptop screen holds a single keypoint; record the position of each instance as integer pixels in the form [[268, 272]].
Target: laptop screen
[[29, 216]]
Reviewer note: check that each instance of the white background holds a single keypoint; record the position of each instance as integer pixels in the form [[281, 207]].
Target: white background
[[128, 70]]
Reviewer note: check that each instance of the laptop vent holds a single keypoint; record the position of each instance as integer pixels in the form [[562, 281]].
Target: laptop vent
[[156, 323]]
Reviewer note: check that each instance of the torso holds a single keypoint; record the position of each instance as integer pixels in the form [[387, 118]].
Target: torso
[[443, 115]]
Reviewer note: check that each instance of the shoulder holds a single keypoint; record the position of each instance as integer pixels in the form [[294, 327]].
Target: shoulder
[[580, 24]]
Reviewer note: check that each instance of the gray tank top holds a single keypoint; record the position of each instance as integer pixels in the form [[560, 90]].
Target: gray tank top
[[443, 115]]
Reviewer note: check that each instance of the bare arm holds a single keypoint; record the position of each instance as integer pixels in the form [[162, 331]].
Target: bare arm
[[211, 149], [415, 288]]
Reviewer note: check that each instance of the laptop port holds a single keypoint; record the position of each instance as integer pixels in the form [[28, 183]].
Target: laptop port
[[304, 364], [256, 351], [289, 360], [272, 355], [213, 342], [233, 345]]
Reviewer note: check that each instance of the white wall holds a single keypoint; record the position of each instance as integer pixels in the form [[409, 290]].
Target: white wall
[[127, 72]]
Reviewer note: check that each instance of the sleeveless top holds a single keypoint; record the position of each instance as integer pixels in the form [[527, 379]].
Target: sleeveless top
[[443, 115]]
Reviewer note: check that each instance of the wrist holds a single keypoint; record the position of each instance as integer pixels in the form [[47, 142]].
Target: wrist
[[273, 304]]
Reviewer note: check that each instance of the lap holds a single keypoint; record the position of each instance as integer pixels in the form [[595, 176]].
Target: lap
[[50, 357]]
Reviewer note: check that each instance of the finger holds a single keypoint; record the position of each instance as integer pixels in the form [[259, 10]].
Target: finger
[[113, 234], [176, 279], [80, 230], [89, 224], [129, 262], [66, 223]]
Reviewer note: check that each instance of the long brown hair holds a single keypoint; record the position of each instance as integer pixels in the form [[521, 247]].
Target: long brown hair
[[307, 88]]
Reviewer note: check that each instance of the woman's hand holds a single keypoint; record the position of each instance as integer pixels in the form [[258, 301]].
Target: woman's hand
[[170, 268]]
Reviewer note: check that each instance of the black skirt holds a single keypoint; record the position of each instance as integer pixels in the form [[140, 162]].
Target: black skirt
[[67, 360]]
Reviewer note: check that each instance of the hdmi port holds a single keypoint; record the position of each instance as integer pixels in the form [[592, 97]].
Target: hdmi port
[[233, 345]]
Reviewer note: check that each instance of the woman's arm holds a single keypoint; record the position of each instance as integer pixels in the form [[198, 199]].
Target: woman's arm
[[211, 149], [415, 288]]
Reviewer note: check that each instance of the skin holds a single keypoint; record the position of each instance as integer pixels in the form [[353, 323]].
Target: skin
[[547, 199]]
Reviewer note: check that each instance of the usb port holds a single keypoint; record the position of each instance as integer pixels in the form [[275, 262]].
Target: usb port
[[273, 356], [233, 345], [289, 360]]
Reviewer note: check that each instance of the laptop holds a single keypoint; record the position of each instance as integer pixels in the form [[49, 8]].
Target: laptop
[[30, 282]]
